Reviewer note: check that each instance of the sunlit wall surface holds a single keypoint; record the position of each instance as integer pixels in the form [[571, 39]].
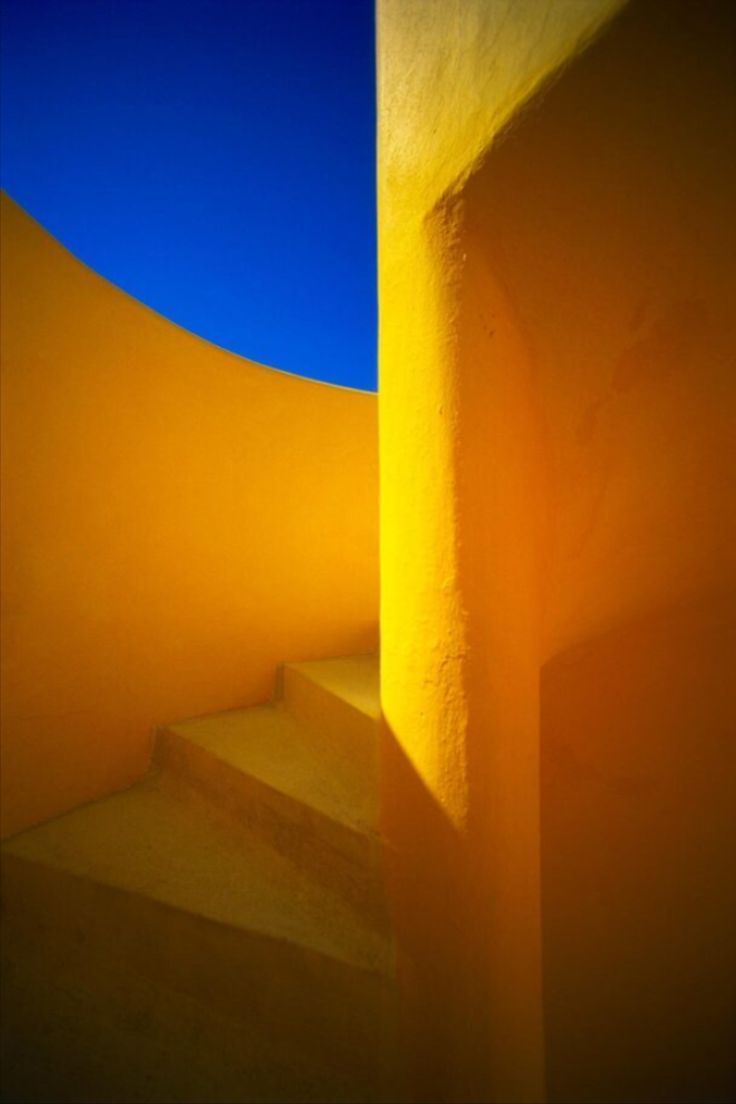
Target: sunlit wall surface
[[214, 158]]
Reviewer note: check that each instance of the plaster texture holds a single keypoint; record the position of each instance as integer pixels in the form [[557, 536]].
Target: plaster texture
[[556, 395]]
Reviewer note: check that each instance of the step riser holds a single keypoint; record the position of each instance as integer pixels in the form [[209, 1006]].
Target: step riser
[[345, 861], [111, 944], [66, 1042], [338, 725]]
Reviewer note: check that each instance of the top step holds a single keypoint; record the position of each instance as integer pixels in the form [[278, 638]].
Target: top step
[[302, 772], [317, 745], [338, 702], [352, 680]]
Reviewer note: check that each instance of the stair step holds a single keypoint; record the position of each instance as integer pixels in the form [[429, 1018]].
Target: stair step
[[88, 1036], [338, 701], [162, 840], [219, 931], [156, 899], [309, 803], [352, 680], [269, 744]]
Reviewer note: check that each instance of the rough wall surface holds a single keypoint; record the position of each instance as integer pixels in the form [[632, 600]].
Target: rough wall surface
[[459, 613], [556, 392], [176, 521]]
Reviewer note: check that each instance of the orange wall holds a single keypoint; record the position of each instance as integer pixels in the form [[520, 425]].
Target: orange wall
[[176, 521], [599, 233], [460, 493], [639, 860], [558, 396], [606, 215]]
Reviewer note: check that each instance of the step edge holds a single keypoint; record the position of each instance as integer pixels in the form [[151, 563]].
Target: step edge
[[359, 830], [298, 667], [387, 974]]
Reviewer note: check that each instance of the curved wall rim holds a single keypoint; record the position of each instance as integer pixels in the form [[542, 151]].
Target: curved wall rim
[[177, 521]]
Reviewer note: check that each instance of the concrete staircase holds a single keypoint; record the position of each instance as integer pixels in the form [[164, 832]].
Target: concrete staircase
[[219, 931]]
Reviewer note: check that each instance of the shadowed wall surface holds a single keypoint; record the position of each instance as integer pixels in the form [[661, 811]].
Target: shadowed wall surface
[[639, 855], [177, 520], [565, 380], [606, 215], [459, 608]]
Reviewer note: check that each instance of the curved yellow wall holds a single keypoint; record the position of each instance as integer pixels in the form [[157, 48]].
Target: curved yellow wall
[[176, 521], [556, 392]]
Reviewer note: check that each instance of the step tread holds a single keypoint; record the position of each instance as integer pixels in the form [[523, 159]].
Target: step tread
[[269, 744], [355, 679], [162, 840]]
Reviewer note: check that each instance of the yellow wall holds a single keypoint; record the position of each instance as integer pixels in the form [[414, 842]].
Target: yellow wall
[[459, 661], [176, 521], [556, 389]]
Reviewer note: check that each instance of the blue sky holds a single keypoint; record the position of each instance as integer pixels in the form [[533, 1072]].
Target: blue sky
[[214, 158]]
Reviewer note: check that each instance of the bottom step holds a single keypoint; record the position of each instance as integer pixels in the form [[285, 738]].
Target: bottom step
[[74, 1038], [156, 952]]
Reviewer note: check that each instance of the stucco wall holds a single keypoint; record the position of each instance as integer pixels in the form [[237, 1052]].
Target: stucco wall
[[556, 390], [177, 520], [639, 859], [606, 214]]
